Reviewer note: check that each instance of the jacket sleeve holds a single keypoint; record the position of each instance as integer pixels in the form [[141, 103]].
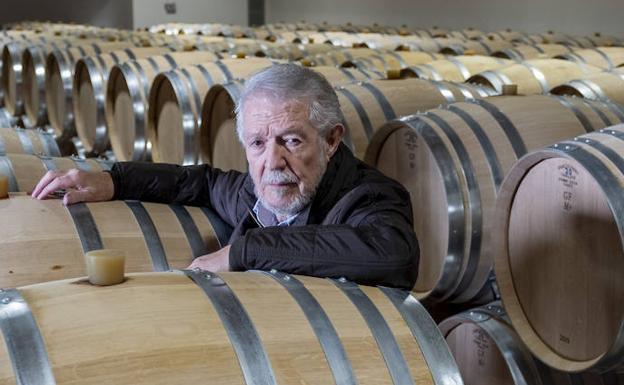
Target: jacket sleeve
[[375, 245], [188, 185]]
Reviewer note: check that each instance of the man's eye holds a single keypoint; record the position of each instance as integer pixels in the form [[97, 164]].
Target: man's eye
[[293, 141], [256, 143]]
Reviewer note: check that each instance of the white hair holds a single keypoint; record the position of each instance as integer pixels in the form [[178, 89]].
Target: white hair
[[285, 82]]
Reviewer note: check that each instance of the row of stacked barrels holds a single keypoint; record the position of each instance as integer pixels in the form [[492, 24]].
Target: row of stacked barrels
[[450, 141]]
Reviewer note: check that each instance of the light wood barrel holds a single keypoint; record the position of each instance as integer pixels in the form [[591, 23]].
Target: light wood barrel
[[88, 92], [413, 43], [535, 76], [229, 328], [175, 101], [20, 141], [13, 71], [469, 33], [33, 62], [394, 61], [478, 47], [24, 171], [453, 160], [600, 86], [562, 38], [534, 51], [343, 57], [45, 240], [489, 352], [454, 68], [507, 35], [126, 104], [558, 235], [365, 105], [59, 72], [607, 58]]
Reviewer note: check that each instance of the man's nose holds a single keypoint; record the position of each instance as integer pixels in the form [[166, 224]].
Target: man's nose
[[275, 156]]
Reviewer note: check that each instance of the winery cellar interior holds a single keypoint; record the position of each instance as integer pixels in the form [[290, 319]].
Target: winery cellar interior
[[503, 121]]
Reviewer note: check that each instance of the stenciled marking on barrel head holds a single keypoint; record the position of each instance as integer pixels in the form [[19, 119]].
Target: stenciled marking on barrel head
[[410, 141]]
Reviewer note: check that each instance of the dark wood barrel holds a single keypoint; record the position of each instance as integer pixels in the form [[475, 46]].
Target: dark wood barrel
[[453, 160], [489, 352], [558, 240], [88, 92], [226, 328], [24, 171], [599, 86], [454, 68], [535, 76], [20, 141]]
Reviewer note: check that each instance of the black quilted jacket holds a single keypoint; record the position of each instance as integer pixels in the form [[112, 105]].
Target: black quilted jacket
[[359, 225]]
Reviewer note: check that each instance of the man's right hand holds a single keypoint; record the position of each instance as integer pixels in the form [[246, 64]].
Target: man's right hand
[[81, 186]]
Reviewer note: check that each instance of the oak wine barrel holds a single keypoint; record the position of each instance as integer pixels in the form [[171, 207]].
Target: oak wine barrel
[[24, 171], [489, 352], [535, 76], [88, 92], [478, 47], [454, 68], [599, 86], [59, 72], [175, 99], [452, 160], [13, 70], [186, 327], [534, 51], [607, 58], [46, 240], [558, 239], [15, 140], [393, 61], [365, 105], [126, 104]]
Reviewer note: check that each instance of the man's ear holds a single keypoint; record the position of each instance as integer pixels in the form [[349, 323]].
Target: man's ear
[[334, 137]]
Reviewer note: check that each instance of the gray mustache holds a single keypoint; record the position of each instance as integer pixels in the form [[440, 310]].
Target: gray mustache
[[279, 177]]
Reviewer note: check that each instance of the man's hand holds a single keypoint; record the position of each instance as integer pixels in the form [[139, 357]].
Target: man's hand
[[217, 261], [81, 186]]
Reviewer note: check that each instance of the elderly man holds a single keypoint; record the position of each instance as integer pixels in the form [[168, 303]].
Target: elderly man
[[307, 205]]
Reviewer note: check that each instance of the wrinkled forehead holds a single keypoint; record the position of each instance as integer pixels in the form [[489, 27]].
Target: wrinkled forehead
[[265, 101], [264, 111]]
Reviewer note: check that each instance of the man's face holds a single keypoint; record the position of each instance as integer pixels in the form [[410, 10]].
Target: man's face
[[287, 157]]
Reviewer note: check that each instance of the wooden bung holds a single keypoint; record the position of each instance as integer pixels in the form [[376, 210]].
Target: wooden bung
[[510, 89], [105, 267]]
